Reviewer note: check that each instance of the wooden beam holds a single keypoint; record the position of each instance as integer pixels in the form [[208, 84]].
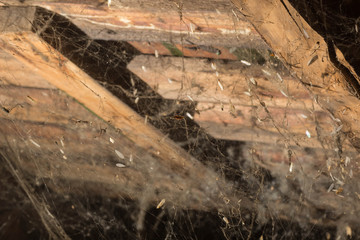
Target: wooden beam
[[17, 19], [187, 172], [213, 23], [184, 79], [40, 105], [78, 153], [236, 132], [306, 53], [253, 123], [297, 121], [13, 72]]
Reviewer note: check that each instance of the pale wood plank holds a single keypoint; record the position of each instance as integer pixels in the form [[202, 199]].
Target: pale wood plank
[[177, 78], [16, 19], [237, 132], [13, 72], [283, 120], [280, 126], [41, 105], [78, 153]]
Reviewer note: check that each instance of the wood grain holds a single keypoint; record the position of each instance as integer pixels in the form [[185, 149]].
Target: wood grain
[[212, 23], [60, 72], [252, 123], [290, 36], [198, 79]]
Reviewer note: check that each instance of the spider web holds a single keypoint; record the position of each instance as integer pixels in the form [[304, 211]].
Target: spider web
[[287, 180]]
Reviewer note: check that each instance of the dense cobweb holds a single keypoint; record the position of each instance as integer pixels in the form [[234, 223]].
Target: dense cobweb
[[286, 180]]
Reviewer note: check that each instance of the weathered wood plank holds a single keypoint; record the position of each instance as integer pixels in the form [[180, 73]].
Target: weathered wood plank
[[13, 72], [66, 76], [208, 23], [40, 105], [297, 44], [71, 143], [16, 19], [286, 125], [236, 132], [312, 173], [308, 162], [78, 153], [177, 78]]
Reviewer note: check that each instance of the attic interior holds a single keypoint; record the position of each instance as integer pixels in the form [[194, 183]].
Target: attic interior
[[179, 119]]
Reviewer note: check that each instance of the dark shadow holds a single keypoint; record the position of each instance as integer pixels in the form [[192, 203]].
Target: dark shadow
[[337, 21]]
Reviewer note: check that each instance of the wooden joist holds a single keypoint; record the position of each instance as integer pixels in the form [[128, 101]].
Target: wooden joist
[[213, 23], [253, 116]]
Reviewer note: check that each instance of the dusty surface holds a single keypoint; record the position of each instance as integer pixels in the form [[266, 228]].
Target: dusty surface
[[81, 177]]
